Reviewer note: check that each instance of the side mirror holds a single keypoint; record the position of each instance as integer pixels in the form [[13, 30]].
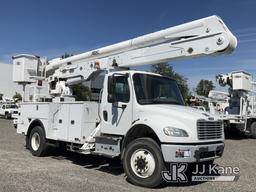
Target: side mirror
[[111, 89]]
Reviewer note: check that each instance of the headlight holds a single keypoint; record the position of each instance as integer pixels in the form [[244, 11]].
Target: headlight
[[175, 132]]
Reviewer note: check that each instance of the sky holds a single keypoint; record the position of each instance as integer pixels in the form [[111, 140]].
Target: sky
[[53, 27]]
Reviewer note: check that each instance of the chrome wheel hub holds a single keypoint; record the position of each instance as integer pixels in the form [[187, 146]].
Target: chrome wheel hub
[[35, 141], [143, 163]]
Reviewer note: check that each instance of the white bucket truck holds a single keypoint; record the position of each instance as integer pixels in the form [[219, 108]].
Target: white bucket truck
[[137, 116], [238, 108]]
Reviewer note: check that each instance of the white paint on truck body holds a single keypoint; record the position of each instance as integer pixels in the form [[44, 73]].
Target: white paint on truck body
[[65, 121]]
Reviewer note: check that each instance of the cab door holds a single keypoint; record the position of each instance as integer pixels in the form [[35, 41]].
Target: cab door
[[2, 110], [116, 114]]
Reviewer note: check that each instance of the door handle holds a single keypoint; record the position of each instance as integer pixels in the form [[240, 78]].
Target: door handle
[[105, 115], [123, 106]]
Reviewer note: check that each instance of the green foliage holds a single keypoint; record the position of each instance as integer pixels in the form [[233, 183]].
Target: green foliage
[[167, 70], [17, 96], [81, 92], [30, 97], [204, 87]]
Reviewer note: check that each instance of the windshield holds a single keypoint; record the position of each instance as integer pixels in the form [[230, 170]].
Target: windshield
[[11, 107], [152, 89]]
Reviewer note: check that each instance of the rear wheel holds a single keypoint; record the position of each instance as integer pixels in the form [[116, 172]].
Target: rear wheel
[[37, 142], [253, 130], [143, 162]]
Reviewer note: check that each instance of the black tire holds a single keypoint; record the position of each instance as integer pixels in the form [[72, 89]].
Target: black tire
[[7, 115], [253, 130], [27, 142], [153, 148], [42, 148]]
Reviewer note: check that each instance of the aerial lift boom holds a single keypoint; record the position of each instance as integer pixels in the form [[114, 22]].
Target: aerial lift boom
[[207, 36]]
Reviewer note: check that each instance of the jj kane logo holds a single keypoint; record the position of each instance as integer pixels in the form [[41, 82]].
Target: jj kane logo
[[200, 172]]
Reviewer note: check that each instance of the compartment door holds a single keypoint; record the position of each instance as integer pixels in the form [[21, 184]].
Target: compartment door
[[75, 123], [63, 122]]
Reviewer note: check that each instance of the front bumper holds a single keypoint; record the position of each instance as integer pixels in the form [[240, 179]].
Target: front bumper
[[190, 153], [14, 115]]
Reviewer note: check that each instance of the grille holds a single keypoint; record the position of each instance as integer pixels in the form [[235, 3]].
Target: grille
[[209, 129]]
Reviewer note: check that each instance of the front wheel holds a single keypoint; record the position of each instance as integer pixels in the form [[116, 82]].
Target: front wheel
[[143, 162], [7, 115], [37, 142]]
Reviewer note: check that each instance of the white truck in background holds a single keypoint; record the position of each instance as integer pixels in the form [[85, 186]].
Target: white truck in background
[[8, 110], [137, 116], [238, 107]]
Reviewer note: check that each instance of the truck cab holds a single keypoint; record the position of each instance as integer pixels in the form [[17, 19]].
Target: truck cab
[[134, 103]]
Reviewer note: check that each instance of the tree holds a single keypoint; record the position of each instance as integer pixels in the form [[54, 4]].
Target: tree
[[166, 70], [204, 87], [66, 55], [81, 92], [17, 96], [1, 96]]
